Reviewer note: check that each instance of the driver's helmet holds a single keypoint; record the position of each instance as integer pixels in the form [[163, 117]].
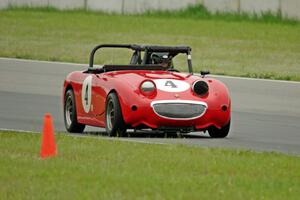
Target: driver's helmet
[[162, 59]]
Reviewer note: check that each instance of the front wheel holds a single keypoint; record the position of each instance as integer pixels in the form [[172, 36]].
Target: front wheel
[[114, 123], [219, 133], [70, 114]]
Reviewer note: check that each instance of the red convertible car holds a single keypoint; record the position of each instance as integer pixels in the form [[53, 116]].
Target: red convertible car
[[147, 93]]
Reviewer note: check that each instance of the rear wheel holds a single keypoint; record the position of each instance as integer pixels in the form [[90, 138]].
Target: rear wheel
[[70, 115], [114, 123], [219, 133]]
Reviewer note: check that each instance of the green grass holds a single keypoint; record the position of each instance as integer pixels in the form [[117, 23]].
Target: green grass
[[96, 168], [227, 44], [200, 12]]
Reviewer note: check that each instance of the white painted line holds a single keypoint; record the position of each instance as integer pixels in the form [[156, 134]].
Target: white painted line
[[251, 79], [16, 130], [89, 136], [41, 61], [143, 142], [211, 75], [115, 139]]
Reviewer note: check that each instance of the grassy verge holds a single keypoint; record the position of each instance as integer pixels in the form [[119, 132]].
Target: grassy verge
[[93, 168], [200, 12], [262, 47]]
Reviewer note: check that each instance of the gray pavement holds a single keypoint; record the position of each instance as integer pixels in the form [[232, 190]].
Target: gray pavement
[[265, 114]]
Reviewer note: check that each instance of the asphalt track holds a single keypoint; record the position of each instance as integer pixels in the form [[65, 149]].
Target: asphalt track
[[265, 114]]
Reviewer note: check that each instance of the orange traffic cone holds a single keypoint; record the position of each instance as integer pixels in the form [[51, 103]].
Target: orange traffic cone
[[48, 147]]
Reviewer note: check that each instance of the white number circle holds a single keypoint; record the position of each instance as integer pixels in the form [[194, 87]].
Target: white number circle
[[86, 93], [170, 85]]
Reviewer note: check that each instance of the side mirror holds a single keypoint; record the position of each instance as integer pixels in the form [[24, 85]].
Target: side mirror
[[204, 72]]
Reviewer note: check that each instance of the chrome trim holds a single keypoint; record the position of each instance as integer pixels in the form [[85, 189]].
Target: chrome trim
[[179, 102]]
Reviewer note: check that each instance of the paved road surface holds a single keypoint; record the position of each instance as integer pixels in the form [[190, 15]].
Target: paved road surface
[[266, 114]]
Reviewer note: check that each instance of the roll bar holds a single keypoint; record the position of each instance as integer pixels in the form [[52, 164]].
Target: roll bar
[[126, 46], [147, 49]]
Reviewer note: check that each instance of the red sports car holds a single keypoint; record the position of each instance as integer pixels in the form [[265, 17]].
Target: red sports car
[[147, 93]]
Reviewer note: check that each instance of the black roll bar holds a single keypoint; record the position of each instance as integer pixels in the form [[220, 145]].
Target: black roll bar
[[189, 60], [127, 46], [134, 47]]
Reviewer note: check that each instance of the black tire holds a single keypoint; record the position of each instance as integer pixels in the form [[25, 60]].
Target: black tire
[[219, 133], [114, 123], [70, 114]]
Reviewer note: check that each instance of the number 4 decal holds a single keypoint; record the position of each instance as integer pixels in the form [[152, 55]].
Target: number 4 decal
[[86, 94], [170, 84], [86, 97]]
